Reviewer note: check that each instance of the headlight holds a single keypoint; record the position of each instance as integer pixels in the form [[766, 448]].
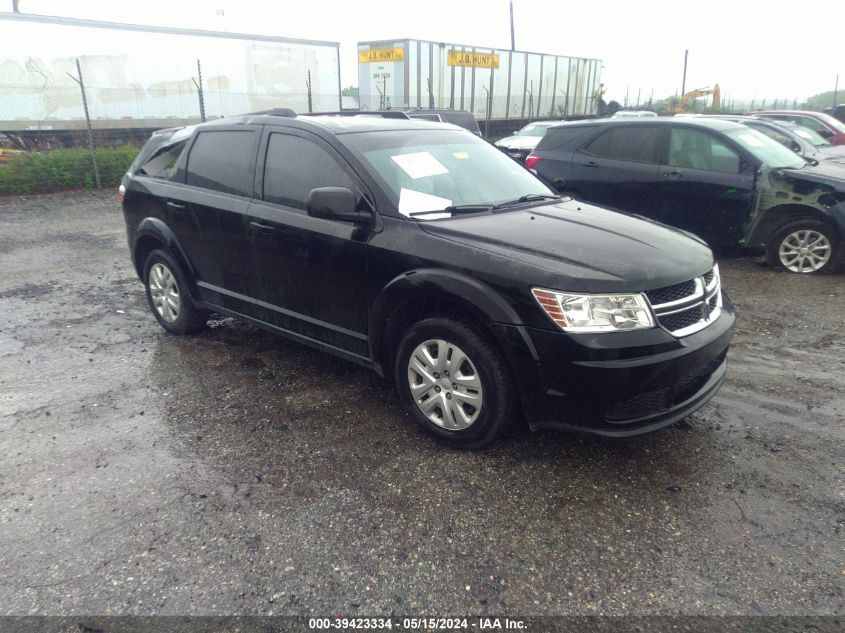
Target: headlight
[[595, 313]]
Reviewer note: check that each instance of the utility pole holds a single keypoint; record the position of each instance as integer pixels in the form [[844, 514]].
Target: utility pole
[[198, 84], [513, 41], [308, 86], [684, 81], [835, 90], [15, 6], [87, 123]]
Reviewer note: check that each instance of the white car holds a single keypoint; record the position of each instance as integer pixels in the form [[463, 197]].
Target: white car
[[634, 114], [525, 139]]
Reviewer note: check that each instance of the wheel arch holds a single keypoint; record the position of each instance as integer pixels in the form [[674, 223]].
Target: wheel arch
[[774, 218], [153, 233], [417, 294]]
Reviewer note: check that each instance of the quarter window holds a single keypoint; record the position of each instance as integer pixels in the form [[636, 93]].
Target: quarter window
[[636, 143], [222, 161], [295, 166], [698, 150], [162, 164]]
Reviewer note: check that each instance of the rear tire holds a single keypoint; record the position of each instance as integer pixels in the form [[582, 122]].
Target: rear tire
[[455, 382], [805, 247], [168, 295]]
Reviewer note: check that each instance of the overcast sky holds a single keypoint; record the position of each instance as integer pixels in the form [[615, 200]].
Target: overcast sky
[[774, 49]]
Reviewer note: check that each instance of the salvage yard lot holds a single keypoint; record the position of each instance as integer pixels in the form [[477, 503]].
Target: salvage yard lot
[[234, 472]]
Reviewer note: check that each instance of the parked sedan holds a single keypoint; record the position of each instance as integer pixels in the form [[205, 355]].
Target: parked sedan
[[524, 139], [823, 124], [718, 179]]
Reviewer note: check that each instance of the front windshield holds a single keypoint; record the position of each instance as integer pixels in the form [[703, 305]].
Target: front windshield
[[430, 170], [769, 152], [533, 129], [808, 135]]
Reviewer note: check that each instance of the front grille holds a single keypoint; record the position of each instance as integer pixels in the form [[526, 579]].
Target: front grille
[[681, 320], [689, 306], [671, 293]]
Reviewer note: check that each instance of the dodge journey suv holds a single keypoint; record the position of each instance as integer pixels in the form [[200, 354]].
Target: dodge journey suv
[[420, 251]]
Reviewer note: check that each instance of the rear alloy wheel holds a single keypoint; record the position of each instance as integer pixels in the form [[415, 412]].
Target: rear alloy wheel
[[167, 294], [455, 382], [805, 247]]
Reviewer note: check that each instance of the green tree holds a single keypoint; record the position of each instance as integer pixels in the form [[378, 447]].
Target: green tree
[[824, 100]]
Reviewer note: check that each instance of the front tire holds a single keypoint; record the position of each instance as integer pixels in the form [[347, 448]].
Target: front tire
[[455, 383], [168, 296], [805, 247]]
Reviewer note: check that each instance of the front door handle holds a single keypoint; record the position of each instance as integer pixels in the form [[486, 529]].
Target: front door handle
[[263, 229], [590, 163], [176, 206], [672, 174]]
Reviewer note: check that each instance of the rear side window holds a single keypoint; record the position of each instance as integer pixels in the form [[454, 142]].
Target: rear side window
[[222, 161], [636, 143], [295, 166], [558, 137]]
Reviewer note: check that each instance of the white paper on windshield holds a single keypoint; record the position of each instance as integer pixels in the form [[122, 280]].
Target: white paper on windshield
[[803, 134], [419, 164], [411, 201], [750, 139]]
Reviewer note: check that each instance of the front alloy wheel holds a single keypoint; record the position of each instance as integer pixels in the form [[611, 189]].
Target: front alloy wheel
[[804, 251], [445, 384]]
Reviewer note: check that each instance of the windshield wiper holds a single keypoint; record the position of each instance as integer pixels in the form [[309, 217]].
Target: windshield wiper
[[531, 197], [456, 210]]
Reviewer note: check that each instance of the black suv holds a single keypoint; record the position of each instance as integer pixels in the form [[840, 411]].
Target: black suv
[[723, 181], [424, 253]]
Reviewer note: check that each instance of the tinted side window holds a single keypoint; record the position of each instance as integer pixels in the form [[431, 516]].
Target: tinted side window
[[627, 143], [295, 166], [222, 161], [699, 150], [557, 137]]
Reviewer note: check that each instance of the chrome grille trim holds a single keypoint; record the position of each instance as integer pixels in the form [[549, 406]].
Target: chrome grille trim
[[705, 289]]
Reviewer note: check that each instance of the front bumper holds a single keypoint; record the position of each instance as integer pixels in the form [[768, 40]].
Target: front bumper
[[617, 384]]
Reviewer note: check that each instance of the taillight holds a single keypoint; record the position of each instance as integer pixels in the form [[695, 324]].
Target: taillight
[[121, 194], [531, 160]]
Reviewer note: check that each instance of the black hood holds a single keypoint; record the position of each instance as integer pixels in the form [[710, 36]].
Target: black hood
[[605, 251]]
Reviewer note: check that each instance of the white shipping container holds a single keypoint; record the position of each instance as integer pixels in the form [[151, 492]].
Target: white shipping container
[[141, 75]]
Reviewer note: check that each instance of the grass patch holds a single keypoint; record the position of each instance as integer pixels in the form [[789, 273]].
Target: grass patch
[[61, 169]]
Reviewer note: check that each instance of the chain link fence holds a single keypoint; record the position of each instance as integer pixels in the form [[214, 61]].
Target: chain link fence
[[75, 135]]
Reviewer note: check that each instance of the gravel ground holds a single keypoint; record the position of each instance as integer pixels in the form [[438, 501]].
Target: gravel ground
[[235, 473]]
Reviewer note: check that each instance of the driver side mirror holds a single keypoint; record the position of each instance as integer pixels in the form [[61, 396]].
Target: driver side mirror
[[335, 203]]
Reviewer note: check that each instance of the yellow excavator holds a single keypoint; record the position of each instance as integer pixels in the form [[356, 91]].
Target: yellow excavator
[[692, 95]]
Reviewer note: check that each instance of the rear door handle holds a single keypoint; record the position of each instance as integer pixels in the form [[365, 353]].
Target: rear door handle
[[590, 163], [672, 174], [176, 206], [263, 229]]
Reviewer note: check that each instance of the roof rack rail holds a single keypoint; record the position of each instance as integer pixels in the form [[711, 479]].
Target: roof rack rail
[[277, 112], [386, 114]]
